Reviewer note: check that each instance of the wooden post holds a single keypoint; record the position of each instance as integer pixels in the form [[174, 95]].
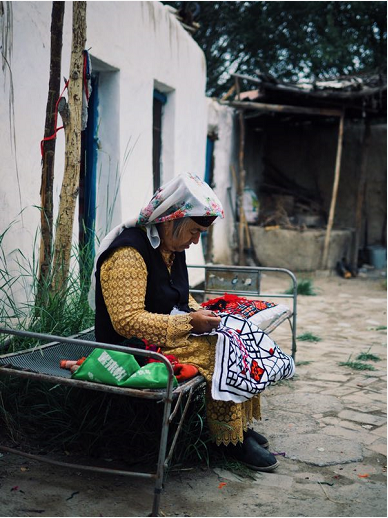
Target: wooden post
[[361, 194], [241, 183], [228, 93], [335, 190], [48, 158], [72, 126]]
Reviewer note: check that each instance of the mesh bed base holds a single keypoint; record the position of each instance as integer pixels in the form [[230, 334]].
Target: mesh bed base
[[43, 362], [45, 359]]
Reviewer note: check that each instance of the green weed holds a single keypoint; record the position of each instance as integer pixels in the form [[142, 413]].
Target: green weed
[[194, 442], [304, 362], [308, 337], [368, 357], [234, 466], [357, 365], [304, 287]]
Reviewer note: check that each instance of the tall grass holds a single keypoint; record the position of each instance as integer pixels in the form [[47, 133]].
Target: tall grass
[[31, 408], [63, 313], [109, 181], [73, 421]]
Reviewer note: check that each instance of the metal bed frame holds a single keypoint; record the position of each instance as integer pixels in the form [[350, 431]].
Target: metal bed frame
[[42, 363]]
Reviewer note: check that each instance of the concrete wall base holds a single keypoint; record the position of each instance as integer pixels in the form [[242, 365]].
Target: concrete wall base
[[300, 250]]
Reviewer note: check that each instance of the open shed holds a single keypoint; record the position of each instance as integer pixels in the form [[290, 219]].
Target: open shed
[[315, 156]]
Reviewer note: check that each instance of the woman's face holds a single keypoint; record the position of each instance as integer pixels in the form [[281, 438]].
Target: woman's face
[[186, 236]]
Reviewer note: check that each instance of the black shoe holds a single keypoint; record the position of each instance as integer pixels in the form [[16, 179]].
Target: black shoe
[[260, 439], [253, 455]]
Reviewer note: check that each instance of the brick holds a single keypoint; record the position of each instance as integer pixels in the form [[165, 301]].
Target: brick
[[362, 381], [273, 480], [328, 376], [365, 397], [340, 391], [379, 446], [361, 436], [360, 407], [362, 418], [318, 449], [381, 431], [350, 425]]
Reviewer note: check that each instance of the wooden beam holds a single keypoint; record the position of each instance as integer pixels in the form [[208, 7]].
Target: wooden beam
[[241, 182], [335, 190], [248, 78], [283, 108], [361, 191]]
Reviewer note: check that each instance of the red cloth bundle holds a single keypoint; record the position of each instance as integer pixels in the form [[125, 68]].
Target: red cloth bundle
[[182, 371]]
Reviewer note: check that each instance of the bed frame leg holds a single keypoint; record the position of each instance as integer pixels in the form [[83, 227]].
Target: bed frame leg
[[162, 450], [293, 340], [156, 502]]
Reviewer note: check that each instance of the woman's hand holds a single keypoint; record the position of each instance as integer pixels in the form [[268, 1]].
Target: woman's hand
[[204, 321]]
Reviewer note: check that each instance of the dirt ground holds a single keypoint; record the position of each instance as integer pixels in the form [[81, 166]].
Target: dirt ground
[[327, 427]]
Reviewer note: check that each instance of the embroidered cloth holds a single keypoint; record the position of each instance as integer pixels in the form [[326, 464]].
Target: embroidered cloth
[[260, 312], [247, 361]]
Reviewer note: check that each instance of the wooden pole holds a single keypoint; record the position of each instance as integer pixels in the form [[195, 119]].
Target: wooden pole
[[242, 212], [72, 126], [228, 93], [335, 190], [241, 183], [361, 194], [46, 190]]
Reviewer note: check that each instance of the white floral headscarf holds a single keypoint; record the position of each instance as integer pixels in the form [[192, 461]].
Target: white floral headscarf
[[186, 195]]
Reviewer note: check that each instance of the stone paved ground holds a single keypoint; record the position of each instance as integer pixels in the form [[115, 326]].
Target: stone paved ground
[[328, 426]]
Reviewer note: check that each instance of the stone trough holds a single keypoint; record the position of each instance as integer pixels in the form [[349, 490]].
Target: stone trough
[[299, 250]]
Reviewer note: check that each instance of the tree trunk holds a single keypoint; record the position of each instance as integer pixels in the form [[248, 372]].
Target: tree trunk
[[46, 190], [72, 124]]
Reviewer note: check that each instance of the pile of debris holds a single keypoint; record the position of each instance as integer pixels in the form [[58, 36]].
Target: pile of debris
[[285, 204]]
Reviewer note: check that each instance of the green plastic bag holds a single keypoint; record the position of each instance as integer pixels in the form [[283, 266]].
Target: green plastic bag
[[122, 370], [105, 366], [152, 375]]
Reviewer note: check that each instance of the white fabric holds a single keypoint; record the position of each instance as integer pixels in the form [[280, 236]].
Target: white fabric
[[266, 317], [247, 361]]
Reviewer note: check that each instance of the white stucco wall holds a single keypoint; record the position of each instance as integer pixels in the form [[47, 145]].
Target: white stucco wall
[[221, 121], [136, 46]]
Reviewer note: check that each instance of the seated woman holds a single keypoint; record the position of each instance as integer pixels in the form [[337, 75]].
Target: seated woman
[[141, 276]]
